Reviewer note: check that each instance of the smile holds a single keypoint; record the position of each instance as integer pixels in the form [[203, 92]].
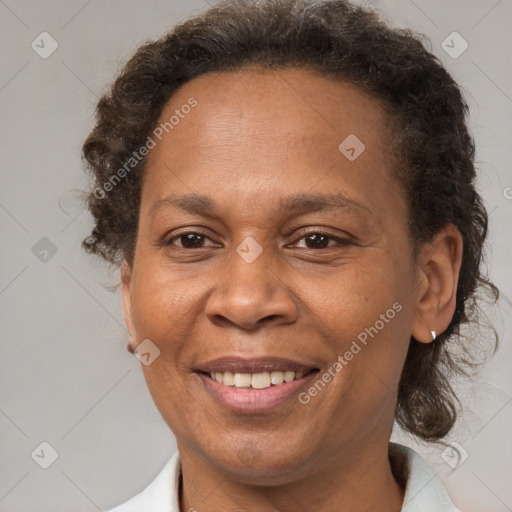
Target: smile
[[260, 380], [255, 386]]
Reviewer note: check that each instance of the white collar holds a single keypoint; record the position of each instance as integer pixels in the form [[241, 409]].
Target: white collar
[[424, 492]]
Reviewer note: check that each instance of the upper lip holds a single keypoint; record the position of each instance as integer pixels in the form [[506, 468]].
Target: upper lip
[[237, 364]]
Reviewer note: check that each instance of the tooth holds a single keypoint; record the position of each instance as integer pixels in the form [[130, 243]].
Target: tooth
[[228, 379], [276, 378], [260, 380], [242, 380], [289, 376]]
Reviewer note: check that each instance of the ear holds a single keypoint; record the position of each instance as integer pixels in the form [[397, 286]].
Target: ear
[[438, 274], [126, 290]]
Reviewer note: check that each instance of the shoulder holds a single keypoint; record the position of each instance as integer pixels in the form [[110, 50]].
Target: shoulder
[[161, 495]]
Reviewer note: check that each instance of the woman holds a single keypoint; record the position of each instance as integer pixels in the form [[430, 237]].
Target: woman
[[289, 190]]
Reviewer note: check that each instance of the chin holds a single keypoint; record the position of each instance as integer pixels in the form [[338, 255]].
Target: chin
[[261, 466]]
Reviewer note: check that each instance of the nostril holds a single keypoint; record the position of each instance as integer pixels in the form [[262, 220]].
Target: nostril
[[269, 318]]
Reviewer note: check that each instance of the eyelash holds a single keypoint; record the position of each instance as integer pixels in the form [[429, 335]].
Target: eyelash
[[304, 234]]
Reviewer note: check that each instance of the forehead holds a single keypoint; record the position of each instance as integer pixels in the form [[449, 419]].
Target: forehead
[[262, 133], [283, 103]]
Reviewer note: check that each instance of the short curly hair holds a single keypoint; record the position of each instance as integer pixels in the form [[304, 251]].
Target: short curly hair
[[433, 149]]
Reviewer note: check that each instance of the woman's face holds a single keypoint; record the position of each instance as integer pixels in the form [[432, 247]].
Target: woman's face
[[299, 261]]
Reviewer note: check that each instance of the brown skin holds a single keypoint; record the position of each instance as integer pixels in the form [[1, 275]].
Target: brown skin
[[254, 137]]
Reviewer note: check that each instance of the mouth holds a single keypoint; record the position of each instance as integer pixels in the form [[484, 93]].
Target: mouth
[[259, 380], [255, 385]]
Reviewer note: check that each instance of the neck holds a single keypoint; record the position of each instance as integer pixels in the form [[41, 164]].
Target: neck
[[359, 481]]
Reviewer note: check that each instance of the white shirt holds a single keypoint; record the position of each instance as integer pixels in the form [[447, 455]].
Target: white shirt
[[424, 492]]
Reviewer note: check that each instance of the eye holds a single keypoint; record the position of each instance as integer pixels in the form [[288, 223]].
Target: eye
[[312, 239], [320, 240], [189, 240]]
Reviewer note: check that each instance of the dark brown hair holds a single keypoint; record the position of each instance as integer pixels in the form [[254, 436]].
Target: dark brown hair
[[433, 149]]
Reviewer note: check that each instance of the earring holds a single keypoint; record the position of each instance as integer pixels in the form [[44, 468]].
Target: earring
[[434, 335]]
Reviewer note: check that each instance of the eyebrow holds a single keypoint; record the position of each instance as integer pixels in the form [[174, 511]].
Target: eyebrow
[[304, 203]]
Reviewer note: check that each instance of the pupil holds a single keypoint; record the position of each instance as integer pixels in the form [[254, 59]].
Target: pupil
[[191, 240], [321, 241]]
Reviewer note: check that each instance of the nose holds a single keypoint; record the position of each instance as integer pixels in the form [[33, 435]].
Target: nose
[[251, 295]]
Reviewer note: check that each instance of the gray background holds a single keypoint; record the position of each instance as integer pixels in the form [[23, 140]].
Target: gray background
[[65, 376]]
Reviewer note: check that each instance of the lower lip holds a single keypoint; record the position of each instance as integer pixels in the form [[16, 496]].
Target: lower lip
[[251, 400]]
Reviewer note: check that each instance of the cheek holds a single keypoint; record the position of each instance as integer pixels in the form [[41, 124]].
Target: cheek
[[176, 402], [355, 295], [365, 315], [163, 299], [165, 309], [159, 314]]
